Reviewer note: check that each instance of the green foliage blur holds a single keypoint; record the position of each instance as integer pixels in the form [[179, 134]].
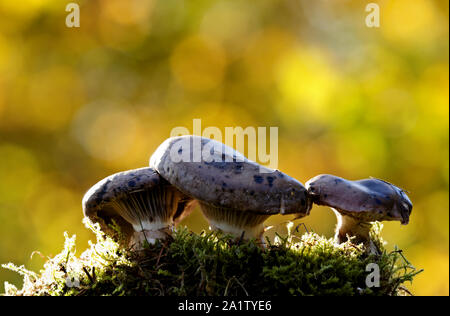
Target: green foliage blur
[[78, 104]]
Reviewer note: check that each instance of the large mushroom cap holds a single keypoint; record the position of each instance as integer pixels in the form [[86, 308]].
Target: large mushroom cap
[[218, 175], [368, 200]]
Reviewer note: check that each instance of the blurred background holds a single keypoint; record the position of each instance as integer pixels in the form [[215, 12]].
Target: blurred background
[[78, 104]]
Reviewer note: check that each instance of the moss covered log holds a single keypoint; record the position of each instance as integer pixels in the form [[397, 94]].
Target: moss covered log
[[213, 264]]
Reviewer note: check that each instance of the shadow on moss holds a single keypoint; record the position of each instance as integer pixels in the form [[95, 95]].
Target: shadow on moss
[[213, 264]]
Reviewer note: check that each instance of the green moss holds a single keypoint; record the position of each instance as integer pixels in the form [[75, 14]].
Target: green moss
[[213, 264]]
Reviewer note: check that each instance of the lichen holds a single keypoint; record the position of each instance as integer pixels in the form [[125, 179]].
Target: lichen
[[214, 264]]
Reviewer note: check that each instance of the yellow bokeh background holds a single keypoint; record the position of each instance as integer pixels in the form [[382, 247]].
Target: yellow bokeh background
[[78, 104]]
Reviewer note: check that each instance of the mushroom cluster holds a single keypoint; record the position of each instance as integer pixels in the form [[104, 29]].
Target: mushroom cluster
[[236, 196]]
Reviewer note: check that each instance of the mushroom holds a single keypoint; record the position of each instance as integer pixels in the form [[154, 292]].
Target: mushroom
[[144, 205], [235, 194], [358, 203]]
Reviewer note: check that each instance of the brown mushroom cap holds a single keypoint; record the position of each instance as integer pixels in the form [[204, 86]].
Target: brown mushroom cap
[[225, 178], [367, 200], [133, 199]]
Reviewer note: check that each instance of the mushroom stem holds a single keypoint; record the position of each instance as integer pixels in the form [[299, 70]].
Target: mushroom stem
[[348, 226], [235, 222], [150, 232]]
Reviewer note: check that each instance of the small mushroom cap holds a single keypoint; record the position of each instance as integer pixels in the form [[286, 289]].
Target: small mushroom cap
[[143, 191], [117, 186], [223, 177], [368, 200]]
